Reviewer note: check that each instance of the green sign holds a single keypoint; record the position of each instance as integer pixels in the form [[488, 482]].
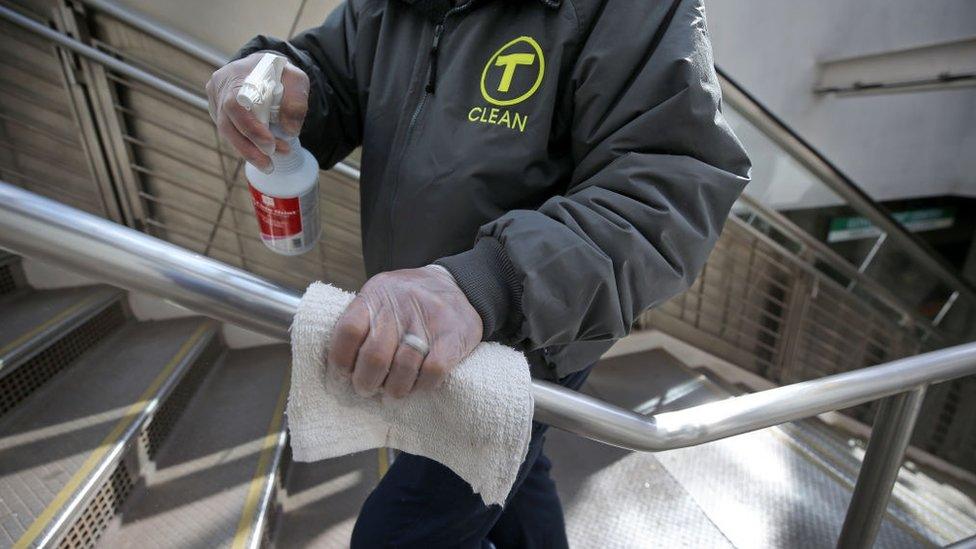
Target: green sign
[[843, 229]]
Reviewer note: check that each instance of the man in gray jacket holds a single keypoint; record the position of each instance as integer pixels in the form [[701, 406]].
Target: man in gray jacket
[[535, 172]]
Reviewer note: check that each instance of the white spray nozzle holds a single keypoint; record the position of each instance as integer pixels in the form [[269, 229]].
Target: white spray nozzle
[[262, 89]]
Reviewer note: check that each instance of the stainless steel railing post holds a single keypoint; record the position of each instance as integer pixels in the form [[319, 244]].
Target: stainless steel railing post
[[890, 435]]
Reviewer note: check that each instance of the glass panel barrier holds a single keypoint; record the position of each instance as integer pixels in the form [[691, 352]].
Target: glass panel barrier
[[782, 182]]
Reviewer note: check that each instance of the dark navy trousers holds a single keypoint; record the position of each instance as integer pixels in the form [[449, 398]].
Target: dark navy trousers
[[421, 503]]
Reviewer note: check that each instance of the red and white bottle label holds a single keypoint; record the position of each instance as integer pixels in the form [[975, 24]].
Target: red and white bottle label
[[289, 225]]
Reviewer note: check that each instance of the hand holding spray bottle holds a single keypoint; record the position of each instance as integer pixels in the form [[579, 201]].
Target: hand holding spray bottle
[[286, 199]]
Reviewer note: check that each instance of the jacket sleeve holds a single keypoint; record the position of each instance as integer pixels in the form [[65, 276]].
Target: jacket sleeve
[[328, 55], [657, 169]]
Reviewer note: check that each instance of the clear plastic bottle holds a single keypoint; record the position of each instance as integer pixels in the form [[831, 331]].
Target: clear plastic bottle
[[286, 200]]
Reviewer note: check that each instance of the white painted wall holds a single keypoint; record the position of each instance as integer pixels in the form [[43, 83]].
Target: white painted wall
[[894, 146]]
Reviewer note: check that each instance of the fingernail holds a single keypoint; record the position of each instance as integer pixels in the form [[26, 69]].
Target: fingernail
[[267, 148]]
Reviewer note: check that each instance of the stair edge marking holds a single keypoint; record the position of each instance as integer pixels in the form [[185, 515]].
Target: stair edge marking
[[109, 444], [262, 484]]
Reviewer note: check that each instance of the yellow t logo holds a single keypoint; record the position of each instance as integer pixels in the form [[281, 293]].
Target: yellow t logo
[[510, 62]]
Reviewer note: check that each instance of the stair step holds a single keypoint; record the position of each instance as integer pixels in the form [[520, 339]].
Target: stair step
[[651, 382], [321, 500], [46, 330], [212, 483], [73, 450], [11, 274]]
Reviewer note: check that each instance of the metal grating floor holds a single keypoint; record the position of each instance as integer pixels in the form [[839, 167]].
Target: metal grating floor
[[763, 489], [196, 492]]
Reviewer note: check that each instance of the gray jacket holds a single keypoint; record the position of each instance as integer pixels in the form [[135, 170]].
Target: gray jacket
[[566, 160]]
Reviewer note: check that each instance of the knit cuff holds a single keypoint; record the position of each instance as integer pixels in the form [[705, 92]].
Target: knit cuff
[[489, 280]]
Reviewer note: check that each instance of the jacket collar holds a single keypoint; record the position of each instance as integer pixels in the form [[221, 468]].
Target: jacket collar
[[435, 9]]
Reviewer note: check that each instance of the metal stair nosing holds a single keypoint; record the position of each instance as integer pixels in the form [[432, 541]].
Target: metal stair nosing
[[231, 513], [59, 518], [262, 507], [37, 339]]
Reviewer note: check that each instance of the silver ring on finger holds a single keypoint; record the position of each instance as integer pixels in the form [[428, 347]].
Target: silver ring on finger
[[416, 343]]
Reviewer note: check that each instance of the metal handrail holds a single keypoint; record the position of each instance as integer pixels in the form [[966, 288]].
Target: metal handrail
[[38, 227], [34, 226]]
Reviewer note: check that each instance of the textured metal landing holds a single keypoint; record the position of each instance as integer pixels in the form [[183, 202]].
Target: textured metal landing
[[764, 489], [205, 486], [55, 441], [33, 320], [615, 498], [322, 500]]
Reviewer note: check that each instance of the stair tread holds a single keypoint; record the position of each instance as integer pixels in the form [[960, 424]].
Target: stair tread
[[651, 382], [323, 498], [32, 319], [217, 454], [61, 431]]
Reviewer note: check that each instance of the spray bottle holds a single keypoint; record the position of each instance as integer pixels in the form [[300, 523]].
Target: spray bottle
[[286, 199]]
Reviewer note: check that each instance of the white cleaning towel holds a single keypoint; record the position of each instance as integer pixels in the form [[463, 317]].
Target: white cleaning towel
[[478, 423]]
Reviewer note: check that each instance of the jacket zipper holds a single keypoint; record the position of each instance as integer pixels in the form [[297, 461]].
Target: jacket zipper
[[429, 88], [431, 79]]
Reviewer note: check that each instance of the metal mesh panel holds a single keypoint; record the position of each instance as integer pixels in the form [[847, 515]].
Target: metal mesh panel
[[838, 334], [8, 282], [947, 423], [84, 533], [41, 141], [793, 321], [153, 436], [25, 379], [740, 298]]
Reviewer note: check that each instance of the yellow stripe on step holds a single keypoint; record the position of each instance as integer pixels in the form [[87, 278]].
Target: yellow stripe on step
[[46, 324], [384, 461], [132, 413], [258, 482]]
